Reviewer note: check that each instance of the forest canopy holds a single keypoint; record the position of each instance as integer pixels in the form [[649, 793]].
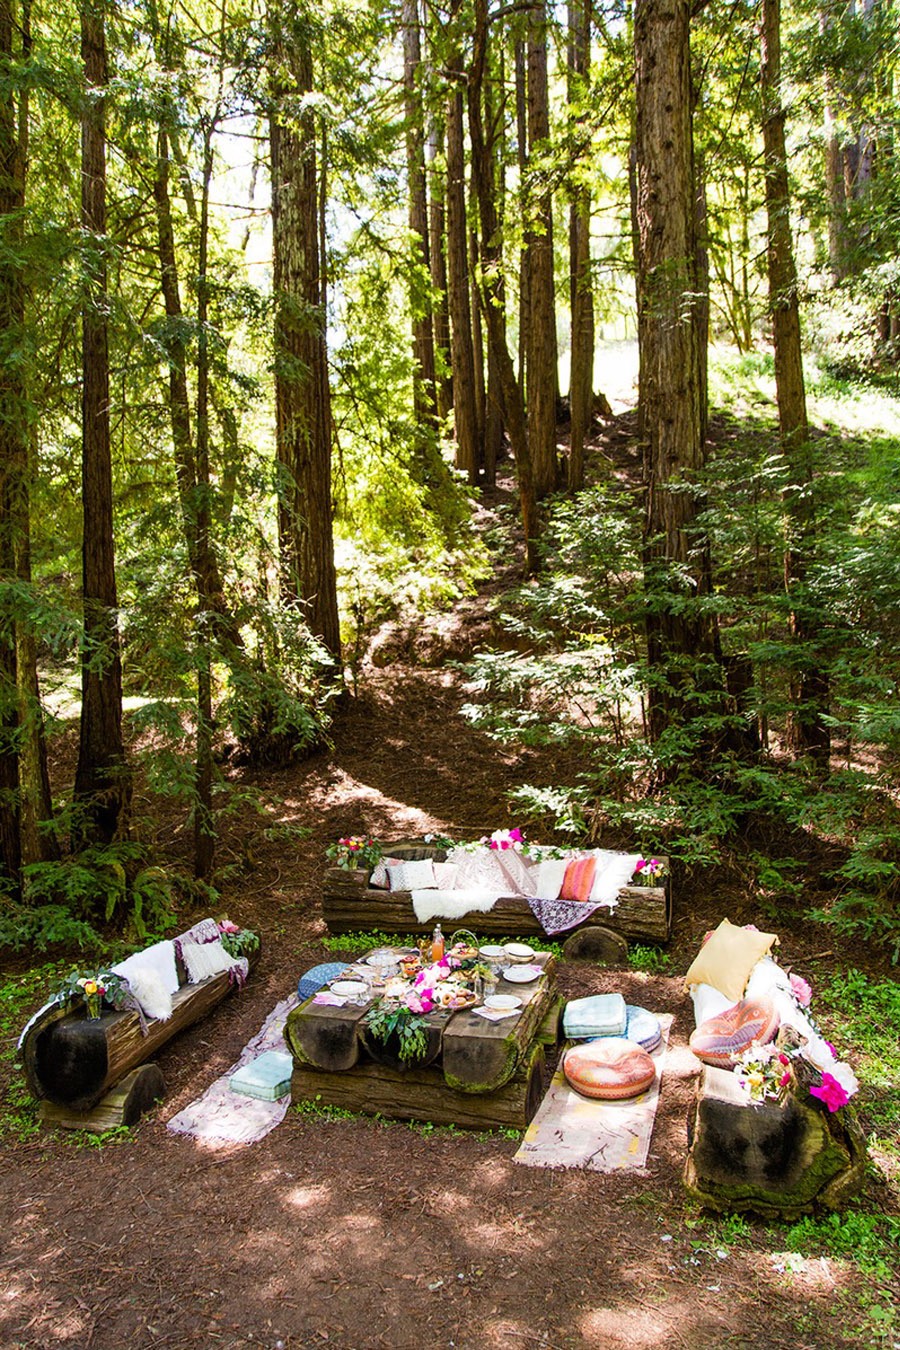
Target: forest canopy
[[284, 288]]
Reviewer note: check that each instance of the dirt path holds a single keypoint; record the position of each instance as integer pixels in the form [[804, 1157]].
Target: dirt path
[[354, 1233]]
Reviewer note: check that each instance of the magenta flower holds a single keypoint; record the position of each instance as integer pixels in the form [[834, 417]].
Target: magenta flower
[[226, 926], [801, 990], [831, 1093]]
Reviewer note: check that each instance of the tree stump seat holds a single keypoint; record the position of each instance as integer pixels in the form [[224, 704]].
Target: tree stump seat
[[73, 1062], [780, 1159], [350, 904]]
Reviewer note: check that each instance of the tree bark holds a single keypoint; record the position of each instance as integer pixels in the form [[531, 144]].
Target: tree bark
[[682, 641], [102, 786], [461, 349], [438, 264], [490, 293], [581, 383], [808, 733], [424, 393], [302, 396], [543, 380]]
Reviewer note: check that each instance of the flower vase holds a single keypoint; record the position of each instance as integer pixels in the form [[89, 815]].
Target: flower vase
[[92, 1006]]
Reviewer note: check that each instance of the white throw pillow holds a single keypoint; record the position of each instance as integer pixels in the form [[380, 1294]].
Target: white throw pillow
[[417, 875], [550, 874], [445, 875], [203, 959], [154, 999]]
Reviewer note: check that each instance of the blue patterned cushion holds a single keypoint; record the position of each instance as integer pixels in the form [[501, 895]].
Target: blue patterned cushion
[[315, 979], [643, 1027]]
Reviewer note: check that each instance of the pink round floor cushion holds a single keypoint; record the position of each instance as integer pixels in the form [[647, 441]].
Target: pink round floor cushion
[[610, 1068], [721, 1039]]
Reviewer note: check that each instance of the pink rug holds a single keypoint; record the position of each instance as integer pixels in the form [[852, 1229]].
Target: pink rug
[[223, 1117]]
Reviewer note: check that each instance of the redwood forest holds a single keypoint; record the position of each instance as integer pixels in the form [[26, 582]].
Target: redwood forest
[[456, 421]]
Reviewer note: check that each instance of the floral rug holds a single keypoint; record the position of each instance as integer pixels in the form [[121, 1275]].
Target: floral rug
[[223, 1117], [602, 1136]]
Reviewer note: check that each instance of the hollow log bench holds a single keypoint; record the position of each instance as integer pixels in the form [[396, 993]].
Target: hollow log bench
[[780, 1160], [350, 904], [92, 1074], [476, 1074], [776, 1157]]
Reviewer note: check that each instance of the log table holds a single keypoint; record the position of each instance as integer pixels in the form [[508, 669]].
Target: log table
[[477, 1073]]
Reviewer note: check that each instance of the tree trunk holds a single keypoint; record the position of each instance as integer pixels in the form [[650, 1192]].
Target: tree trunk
[[491, 292], [542, 388], [424, 394], [438, 263], [581, 382], [24, 783], [682, 642], [462, 355], [102, 786], [302, 396], [807, 731]]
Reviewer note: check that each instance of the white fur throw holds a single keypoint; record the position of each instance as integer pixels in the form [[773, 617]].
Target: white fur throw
[[159, 960], [154, 999], [430, 904], [201, 960]]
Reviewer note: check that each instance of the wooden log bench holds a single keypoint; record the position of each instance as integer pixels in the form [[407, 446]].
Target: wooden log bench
[[86, 1073], [350, 904], [476, 1073]]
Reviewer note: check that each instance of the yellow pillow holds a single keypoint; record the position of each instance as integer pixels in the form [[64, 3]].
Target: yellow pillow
[[727, 958]]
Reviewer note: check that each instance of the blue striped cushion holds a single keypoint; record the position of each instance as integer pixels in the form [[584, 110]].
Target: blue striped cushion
[[315, 979]]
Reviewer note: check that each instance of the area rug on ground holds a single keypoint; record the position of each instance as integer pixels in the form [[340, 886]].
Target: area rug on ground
[[221, 1116], [603, 1136]]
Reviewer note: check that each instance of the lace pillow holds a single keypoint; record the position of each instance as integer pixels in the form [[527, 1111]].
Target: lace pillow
[[201, 960], [412, 876], [379, 878]]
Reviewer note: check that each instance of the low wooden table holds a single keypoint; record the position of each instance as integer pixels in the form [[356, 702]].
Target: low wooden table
[[478, 1073]]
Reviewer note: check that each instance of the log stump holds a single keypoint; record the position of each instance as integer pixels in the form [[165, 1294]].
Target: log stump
[[137, 1092], [597, 944], [777, 1160]]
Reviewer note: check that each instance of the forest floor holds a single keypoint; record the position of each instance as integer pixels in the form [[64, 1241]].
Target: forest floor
[[354, 1232]]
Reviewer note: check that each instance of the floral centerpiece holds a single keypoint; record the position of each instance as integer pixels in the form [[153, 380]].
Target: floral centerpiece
[[650, 871], [94, 989], [797, 1063], [764, 1071], [355, 851], [440, 986]]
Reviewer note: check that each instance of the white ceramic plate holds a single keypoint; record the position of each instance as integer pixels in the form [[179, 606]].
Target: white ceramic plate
[[519, 951], [522, 974], [491, 953], [349, 988], [502, 1002]]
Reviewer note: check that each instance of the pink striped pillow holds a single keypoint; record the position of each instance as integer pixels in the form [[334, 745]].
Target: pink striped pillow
[[578, 879]]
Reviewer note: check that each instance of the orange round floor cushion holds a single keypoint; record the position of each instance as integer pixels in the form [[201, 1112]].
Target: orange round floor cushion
[[610, 1068], [721, 1039]]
